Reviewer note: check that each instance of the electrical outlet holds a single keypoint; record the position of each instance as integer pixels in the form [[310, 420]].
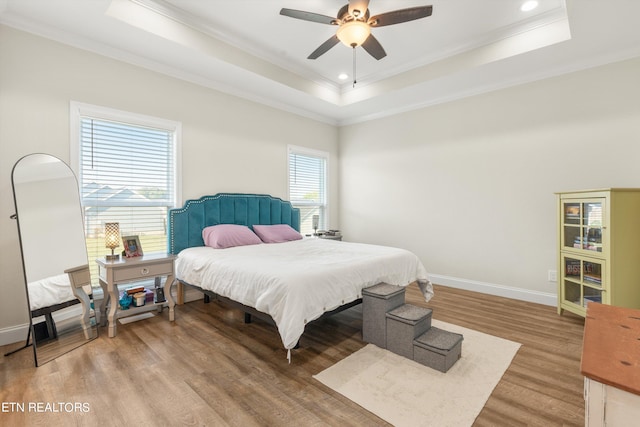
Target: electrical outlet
[[552, 275]]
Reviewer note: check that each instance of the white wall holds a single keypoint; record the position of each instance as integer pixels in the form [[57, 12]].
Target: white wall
[[228, 144], [469, 185]]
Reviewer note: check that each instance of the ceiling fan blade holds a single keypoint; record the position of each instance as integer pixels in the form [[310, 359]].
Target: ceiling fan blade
[[309, 16], [358, 5], [324, 47], [399, 16], [374, 48]]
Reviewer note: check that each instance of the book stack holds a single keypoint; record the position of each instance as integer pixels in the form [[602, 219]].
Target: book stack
[[577, 242], [134, 290], [592, 298], [590, 278], [572, 267]]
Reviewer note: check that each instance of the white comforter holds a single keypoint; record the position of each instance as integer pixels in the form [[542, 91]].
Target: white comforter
[[50, 291], [296, 282]]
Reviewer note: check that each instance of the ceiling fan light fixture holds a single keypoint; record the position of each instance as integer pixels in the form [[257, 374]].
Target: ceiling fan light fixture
[[353, 33], [354, 25]]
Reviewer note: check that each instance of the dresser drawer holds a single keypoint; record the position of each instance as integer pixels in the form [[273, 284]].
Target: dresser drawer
[[141, 271]]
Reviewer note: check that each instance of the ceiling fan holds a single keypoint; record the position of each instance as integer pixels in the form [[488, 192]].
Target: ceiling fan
[[354, 25]]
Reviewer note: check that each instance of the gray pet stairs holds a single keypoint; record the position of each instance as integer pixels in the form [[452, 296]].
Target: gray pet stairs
[[406, 329]]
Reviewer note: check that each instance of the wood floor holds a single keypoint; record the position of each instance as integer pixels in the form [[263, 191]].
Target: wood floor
[[209, 369]]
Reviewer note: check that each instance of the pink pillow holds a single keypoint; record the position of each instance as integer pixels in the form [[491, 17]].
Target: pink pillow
[[229, 235], [277, 233]]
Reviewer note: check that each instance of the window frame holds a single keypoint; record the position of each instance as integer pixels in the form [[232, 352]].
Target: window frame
[[78, 109], [311, 152]]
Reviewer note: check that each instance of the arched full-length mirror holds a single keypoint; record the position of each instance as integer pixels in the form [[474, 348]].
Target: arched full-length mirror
[[54, 256]]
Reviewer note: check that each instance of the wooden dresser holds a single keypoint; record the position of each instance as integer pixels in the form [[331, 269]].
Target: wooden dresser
[[611, 365]]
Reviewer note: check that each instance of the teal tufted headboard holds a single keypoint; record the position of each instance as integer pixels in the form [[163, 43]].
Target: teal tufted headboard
[[185, 224]]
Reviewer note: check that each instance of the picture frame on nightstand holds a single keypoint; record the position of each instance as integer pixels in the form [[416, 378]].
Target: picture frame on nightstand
[[132, 247]]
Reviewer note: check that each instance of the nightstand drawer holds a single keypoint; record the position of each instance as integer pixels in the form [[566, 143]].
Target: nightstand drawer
[[139, 272], [79, 276]]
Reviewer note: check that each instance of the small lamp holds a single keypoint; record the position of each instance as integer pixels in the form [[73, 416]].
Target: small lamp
[[314, 221], [112, 239]]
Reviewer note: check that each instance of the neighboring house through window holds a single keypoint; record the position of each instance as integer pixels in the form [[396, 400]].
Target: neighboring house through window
[[127, 168], [308, 186]]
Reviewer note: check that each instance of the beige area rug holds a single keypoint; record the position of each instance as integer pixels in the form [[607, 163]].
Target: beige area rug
[[406, 393]]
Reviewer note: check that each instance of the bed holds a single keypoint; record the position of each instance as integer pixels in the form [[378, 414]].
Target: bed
[[47, 296], [50, 291], [293, 282], [57, 292]]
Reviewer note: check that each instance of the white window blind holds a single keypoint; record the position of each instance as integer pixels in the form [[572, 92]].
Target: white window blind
[[127, 174], [308, 186]]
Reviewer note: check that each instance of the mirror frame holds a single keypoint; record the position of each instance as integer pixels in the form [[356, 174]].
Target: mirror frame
[[79, 276]]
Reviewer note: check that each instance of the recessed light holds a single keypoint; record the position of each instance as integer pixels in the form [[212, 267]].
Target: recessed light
[[529, 5], [343, 76]]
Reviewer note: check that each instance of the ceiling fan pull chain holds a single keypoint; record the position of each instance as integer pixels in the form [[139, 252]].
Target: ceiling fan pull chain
[[354, 67]]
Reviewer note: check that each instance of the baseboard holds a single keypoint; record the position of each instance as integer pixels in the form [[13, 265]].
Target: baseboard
[[14, 334], [17, 333], [545, 298]]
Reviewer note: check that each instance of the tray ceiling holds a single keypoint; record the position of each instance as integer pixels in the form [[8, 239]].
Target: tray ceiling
[[245, 47]]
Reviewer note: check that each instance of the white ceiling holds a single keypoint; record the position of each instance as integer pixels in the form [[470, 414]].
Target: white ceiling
[[245, 47]]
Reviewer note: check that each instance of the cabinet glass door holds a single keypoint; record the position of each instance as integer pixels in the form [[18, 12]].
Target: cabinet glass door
[[572, 286], [592, 226], [582, 280], [582, 225], [592, 273], [592, 280]]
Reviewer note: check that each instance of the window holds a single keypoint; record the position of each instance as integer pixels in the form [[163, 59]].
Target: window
[[308, 186], [127, 168]]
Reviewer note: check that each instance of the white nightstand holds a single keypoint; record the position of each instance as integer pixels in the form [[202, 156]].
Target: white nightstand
[[331, 237], [79, 277], [126, 270]]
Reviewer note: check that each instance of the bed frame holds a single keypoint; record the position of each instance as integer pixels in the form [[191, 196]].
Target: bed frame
[[185, 230], [43, 331], [47, 312]]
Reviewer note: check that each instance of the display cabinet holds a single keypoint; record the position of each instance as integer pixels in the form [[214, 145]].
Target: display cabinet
[[599, 248]]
